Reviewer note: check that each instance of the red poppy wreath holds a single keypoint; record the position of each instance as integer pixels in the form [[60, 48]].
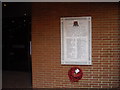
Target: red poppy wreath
[[75, 74]]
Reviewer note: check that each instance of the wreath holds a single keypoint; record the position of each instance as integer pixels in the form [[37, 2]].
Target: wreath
[[75, 74]]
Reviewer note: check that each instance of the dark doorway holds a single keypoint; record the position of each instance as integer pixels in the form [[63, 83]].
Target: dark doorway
[[16, 37]]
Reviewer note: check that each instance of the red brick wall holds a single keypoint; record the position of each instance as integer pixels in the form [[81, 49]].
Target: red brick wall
[[47, 72]]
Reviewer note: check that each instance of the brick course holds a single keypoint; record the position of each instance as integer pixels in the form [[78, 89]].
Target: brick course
[[47, 72]]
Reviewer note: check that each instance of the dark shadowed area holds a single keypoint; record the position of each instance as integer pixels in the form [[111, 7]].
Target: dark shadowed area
[[16, 37]]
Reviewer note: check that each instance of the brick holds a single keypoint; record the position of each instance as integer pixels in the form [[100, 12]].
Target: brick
[[46, 48]]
